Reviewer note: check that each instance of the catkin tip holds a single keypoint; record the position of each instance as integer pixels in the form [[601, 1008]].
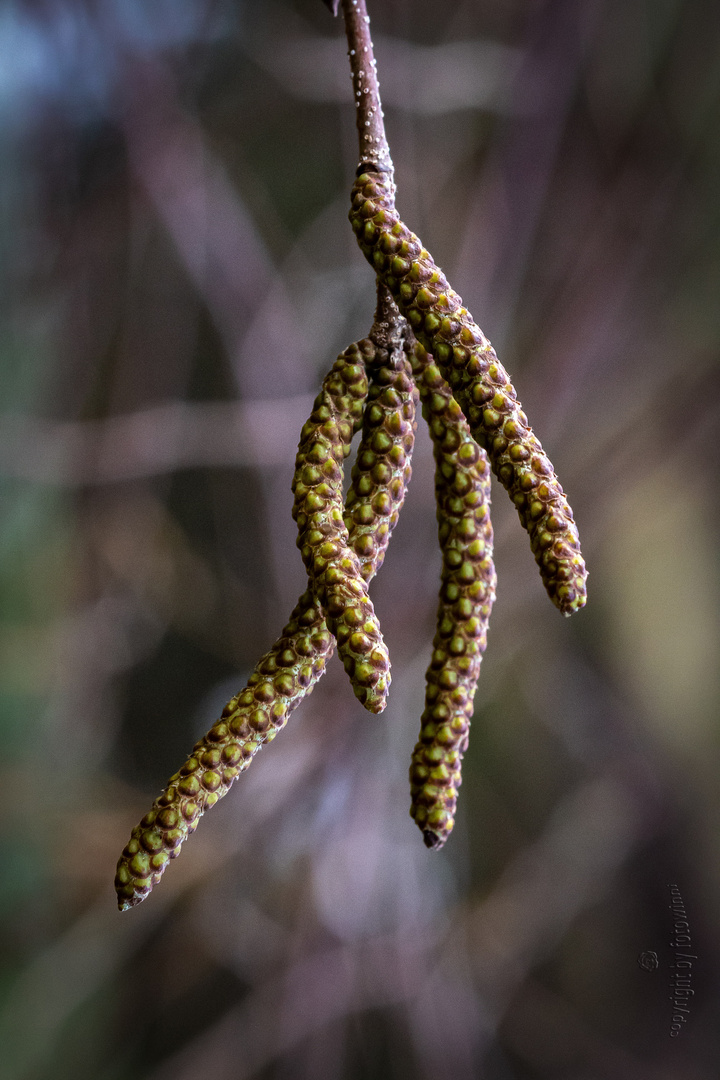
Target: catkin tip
[[125, 905], [375, 702], [569, 605], [432, 840]]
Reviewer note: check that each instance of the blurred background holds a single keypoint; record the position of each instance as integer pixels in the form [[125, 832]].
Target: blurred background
[[178, 274]]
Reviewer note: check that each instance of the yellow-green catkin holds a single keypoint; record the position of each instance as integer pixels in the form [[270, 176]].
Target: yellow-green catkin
[[292, 667], [467, 592], [282, 678], [333, 567], [478, 381], [382, 469]]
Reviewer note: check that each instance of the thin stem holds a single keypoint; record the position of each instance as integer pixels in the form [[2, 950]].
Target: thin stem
[[371, 129], [388, 331]]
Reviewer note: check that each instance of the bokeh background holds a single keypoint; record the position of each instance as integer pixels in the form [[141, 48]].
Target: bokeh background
[[178, 273]]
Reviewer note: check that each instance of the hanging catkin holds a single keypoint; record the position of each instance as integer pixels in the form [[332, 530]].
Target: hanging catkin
[[382, 469], [282, 678], [332, 565], [478, 381], [292, 667], [467, 592]]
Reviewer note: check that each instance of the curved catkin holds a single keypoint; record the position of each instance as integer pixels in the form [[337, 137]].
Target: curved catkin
[[282, 678], [478, 381], [292, 667], [333, 567], [467, 592]]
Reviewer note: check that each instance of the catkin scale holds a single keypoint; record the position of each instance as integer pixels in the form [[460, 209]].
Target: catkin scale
[[333, 567], [292, 667], [467, 593], [478, 381]]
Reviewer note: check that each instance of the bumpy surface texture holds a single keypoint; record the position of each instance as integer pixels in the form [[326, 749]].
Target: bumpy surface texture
[[282, 678], [289, 671], [382, 468], [467, 592], [332, 565], [478, 381]]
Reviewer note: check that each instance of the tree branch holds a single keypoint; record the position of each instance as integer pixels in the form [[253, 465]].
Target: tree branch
[[371, 128]]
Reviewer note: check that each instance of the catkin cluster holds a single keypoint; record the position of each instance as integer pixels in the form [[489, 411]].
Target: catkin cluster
[[289, 671], [424, 347]]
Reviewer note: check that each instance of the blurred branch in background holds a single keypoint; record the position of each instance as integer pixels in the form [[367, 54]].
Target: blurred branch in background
[[177, 273], [153, 441]]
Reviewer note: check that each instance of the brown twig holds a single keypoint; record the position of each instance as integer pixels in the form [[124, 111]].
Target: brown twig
[[373, 144], [388, 330]]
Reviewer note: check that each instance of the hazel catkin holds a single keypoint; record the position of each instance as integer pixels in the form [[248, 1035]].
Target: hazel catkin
[[382, 469], [478, 381], [292, 667], [467, 592], [332, 565], [282, 678]]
